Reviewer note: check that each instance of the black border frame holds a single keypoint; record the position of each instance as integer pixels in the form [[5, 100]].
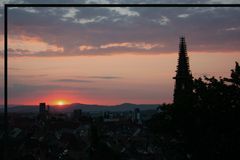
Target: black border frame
[[6, 6]]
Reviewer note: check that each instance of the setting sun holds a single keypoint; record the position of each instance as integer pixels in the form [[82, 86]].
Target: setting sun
[[60, 103]]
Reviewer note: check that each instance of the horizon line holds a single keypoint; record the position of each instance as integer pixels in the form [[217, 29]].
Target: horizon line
[[2, 105]]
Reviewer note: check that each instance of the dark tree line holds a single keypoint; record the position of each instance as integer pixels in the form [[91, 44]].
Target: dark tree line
[[206, 126]]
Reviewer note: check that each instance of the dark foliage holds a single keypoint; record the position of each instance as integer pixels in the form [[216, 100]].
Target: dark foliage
[[99, 149], [210, 127]]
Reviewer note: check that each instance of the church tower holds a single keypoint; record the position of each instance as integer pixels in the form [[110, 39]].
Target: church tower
[[183, 80]]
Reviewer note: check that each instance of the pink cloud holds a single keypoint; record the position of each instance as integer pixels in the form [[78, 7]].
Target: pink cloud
[[32, 44]]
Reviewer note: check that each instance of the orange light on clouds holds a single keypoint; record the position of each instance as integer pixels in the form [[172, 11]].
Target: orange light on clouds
[[33, 44]]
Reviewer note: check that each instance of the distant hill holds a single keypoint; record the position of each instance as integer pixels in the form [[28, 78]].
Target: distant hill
[[83, 107], [121, 107]]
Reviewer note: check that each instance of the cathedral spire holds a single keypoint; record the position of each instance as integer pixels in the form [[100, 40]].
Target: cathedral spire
[[183, 84]]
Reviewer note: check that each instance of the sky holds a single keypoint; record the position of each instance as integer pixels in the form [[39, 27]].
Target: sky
[[113, 55]]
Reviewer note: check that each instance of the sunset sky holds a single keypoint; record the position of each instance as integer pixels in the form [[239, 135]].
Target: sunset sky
[[113, 55]]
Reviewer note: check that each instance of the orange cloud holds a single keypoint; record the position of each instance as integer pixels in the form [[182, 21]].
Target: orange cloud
[[32, 44], [86, 47], [136, 45], [140, 45]]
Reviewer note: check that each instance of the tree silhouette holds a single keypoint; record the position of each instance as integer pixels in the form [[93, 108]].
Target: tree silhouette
[[210, 127]]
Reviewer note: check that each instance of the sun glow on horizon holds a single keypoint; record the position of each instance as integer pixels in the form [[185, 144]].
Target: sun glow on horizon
[[61, 102]]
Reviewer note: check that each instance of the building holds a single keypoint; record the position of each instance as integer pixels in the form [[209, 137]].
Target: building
[[42, 108], [48, 108], [77, 113], [183, 80], [111, 116], [137, 116]]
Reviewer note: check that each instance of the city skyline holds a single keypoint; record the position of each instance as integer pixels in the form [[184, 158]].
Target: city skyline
[[125, 55]]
